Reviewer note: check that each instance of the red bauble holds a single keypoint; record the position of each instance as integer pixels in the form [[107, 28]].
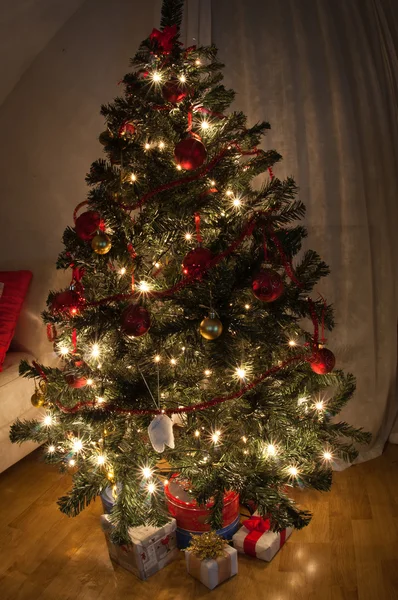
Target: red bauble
[[75, 382], [127, 129], [190, 153], [323, 362], [173, 92], [267, 285], [67, 301], [88, 224], [136, 320], [196, 261]]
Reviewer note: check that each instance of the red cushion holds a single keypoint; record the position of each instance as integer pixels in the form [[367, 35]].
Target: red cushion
[[16, 284]]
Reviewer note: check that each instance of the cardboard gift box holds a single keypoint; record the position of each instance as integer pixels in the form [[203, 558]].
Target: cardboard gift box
[[256, 539], [151, 548], [212, 571]]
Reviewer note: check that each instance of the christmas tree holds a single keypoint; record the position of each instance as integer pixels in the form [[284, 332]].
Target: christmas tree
[[191, 331]]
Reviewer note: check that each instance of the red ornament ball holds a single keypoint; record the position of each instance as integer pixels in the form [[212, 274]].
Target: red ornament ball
[[173, 92], [323, 362], [75, 381], [88, 224], [136, 320], [67, 301], [196, 261], [267, 285], [190, 153], [127, 129]]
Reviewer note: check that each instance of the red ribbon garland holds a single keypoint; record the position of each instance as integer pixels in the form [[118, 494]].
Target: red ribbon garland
[[184, 180], [197, 225]]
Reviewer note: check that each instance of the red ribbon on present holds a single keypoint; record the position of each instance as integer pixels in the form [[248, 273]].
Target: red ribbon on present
[[257, 526], [164, 38], [165, 540]]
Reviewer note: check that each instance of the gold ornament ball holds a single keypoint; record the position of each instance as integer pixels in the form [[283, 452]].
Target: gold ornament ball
[[101, 243], [105, 137], [211, 327], [37, 400]]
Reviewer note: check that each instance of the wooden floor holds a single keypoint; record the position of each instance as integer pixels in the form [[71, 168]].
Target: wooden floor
[[348, 552]]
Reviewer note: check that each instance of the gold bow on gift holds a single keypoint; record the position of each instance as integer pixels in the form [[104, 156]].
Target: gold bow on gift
[[207, 545]]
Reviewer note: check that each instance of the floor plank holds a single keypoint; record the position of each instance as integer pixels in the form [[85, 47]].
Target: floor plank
[[348, 552]]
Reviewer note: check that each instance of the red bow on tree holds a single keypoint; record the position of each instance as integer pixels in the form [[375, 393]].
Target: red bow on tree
[[257, 524], [164, 38]]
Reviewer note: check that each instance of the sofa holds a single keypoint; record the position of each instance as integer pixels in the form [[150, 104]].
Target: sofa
[[15, 391]]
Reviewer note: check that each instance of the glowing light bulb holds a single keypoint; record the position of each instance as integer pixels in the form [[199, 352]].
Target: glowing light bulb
[[95, 351], [101, 459], [293, 471], [146, 472], [156, 265], [151, 488], [188, 236], [100, 400], [197, 433], [173, 361], [51, 449], [72, 462], [205, 124], [215, 437], [144, 286], [179, 167], [157, 358], [73, 311], [327, 455], [64, 350], [77, 445], [247, 306], [90, 381], [147, 146], [161, 145], [197, 62], [244, 439], [229, 193], [122, 271], [319, 405], [156, 77], [166, 482], [207, 372], [212, 182], [271, 450], [292, 343], [241, 373], [48, 420], [236, 202]]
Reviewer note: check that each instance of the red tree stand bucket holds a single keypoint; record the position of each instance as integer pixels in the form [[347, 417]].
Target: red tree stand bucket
[[191, 516]]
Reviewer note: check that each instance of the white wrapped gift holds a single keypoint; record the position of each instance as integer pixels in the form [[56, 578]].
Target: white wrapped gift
[[151, 548], [212, 571], [257, 540]]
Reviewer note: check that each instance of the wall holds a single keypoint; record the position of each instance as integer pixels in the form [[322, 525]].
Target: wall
[[64, 62]]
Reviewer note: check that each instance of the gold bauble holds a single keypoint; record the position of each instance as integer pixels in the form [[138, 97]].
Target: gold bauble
[[101, 243], [105, 137], [37, 400], [211, 327]]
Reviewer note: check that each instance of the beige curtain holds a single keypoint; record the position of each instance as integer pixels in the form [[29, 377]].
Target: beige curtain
[[325, 75]]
